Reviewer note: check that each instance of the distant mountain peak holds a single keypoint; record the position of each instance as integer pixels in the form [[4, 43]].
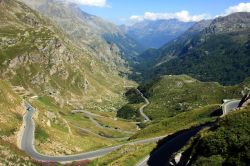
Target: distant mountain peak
[[232, 23], [153, 34]]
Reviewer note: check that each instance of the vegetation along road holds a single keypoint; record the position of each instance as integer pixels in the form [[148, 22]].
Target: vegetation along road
[[161, 155]]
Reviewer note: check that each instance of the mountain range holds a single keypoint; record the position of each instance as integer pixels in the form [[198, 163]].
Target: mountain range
[[156, 33], [100, 37], [212, 50]]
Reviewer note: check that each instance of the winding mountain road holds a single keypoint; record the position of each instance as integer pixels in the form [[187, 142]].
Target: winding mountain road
[[146, 118], [92, 118], [28, 139]]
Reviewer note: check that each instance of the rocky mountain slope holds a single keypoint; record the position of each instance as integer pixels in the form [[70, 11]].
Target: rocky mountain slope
[[154, 34], [38, 56], [218, 51], [47, 68], [100, 37]]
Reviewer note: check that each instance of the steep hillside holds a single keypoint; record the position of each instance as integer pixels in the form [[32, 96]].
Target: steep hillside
[[227, 144], [217, 53], [102, 38], [10, 123], [11, 155], [11, 113], [153, 57], [154, 34], [39, 57], [57, 76]]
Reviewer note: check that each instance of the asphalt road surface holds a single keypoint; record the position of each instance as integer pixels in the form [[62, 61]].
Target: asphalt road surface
[[146, 118], [27, 143], [230, 106]]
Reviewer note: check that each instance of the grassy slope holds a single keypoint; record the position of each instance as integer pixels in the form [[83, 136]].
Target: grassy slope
[[36, 55], [181, 121], [42, 59], [125, 156], [10, 155], [171, 95], [130, 155], [63, 137], [179, 102], [228, 144], [11, 111]]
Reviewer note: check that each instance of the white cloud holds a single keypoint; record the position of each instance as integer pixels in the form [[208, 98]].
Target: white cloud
[[181, 16], [98, 3], [241, 7]]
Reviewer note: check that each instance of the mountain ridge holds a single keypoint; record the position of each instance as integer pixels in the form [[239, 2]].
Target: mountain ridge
[[102, 38], [203, 51], [154, 34]]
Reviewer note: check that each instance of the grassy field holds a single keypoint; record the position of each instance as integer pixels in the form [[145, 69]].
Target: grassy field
[[125, 156], [117, 123]]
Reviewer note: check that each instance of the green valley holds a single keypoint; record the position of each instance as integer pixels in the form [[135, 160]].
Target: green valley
[[171, 95], [76, 89]]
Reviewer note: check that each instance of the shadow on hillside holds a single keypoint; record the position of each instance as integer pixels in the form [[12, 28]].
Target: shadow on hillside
[[162, 153]]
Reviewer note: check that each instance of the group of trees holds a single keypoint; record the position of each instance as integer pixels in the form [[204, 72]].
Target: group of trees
[[131, 110]]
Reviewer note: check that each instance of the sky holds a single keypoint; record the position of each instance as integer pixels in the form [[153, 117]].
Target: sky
[[129, 11]]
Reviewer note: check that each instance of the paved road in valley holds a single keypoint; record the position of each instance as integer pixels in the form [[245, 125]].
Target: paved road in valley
[[146, 118], [27, 143]]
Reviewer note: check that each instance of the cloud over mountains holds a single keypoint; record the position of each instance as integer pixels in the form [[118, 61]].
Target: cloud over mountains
[[97, 3], [241, 7], [183, 16]]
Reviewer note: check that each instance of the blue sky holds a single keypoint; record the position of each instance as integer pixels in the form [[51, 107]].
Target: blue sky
[[120, 11]]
